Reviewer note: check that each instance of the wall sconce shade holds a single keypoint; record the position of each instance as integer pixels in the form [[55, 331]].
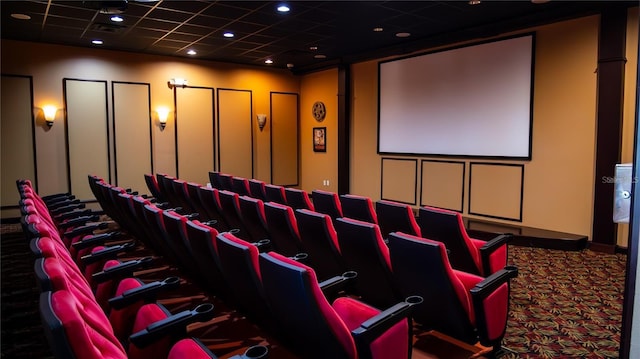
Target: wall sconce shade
[[49, 114], [163, 115], [177, 82], [262, 120]]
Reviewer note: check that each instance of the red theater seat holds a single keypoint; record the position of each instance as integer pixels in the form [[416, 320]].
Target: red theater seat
[[363, 250], [327, 202], [282, 228], [458, 304], [320, 242], [298, 199], [358, 207], [396, 217], [465, 253], [316, 329]]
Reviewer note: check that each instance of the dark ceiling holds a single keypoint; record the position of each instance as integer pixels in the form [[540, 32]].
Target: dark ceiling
[[312, 35]]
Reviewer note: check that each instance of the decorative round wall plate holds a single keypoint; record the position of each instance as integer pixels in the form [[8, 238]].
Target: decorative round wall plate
[[319, 111]]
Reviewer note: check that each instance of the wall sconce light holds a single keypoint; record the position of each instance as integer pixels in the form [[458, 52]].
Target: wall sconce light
[[177, 82], [262, 120], [163, 115], [49, 114]]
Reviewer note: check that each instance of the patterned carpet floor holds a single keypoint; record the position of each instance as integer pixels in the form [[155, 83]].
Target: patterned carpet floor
[[565, 304]]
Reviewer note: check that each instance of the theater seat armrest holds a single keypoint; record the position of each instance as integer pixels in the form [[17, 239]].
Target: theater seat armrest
[[374, 327], [490, 300], [73, 214], [332, 286], [490, 283], [78, 221], [52, 197], [122, 270], [95, 240], [147, 293], [86, 229], [107, 253], [61, 203], [172, 326], [71, 207], [491, 246]]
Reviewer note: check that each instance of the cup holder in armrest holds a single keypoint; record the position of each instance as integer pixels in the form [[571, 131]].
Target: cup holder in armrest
[[300, 257], [262, 245], [350, 274], [256, 352], [210, 223], [414, 300]]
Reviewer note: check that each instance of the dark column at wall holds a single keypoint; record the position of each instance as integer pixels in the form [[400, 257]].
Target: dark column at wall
[[344, 128], [611, 62]]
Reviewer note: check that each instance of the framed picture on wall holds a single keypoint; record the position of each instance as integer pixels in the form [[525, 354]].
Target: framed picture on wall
[[319, 139]]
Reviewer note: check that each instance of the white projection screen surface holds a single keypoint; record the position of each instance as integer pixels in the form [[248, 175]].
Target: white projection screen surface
[[471, 101]]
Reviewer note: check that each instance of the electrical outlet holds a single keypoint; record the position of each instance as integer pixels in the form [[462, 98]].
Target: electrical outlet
[[325, 182]]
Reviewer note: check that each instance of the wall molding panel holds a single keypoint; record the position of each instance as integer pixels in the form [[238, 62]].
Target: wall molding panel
[[284, 138], [17, 141], [399, 179], [443, 184], [87, 134], [496, 190], [132, 147], [235, 132], [195, 133]]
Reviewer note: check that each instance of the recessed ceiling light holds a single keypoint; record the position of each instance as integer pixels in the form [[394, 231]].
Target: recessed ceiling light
[[228, 34], [378, 29], [191, 52], [97, 42], [313, 48], [117, 18], [283, 8], [268, 61], [403, 34], [474, 2], [21, 16], [320, 56]]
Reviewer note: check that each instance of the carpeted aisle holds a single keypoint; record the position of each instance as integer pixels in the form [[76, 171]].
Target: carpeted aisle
[[22, 334], [565, 304]]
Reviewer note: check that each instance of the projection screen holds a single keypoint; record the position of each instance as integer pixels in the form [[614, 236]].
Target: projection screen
[[472, 101]]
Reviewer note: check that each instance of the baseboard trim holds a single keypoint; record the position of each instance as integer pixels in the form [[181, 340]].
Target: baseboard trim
[[602, 247]]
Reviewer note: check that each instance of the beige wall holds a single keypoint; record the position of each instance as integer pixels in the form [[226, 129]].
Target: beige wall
[[319, 166], [558, 181], [49, 64]]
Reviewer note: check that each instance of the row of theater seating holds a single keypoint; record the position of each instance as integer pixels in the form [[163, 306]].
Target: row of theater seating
[[468, 301], [90, 305], [465, 253], [280, 294]]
